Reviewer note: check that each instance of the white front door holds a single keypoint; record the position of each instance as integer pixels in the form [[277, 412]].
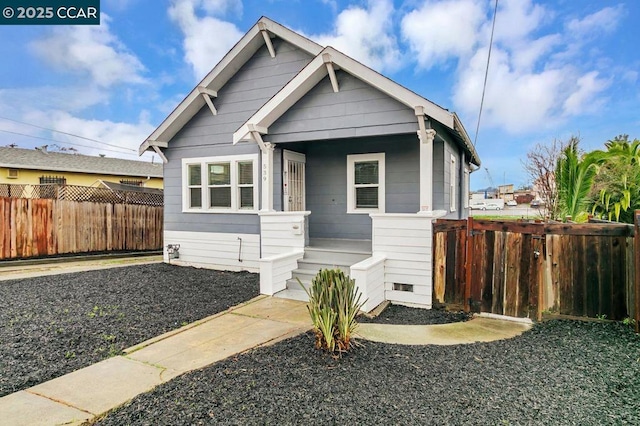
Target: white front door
[[293, 181]]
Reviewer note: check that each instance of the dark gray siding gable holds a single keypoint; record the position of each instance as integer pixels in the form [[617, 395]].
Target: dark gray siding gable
[[356, 110], [206, 135]]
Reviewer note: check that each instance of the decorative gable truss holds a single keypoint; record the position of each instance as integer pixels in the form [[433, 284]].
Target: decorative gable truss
[[259, 35]]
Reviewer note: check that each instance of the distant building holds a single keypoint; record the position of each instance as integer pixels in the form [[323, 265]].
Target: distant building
[[39, 166], [505, 192]]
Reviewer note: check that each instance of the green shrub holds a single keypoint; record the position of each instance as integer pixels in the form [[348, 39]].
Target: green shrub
[[333, 306]]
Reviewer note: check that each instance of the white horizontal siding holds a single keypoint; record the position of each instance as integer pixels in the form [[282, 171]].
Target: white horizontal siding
[[369, 279], [276, 270], [406, 241], [282, 232], [214, 250]]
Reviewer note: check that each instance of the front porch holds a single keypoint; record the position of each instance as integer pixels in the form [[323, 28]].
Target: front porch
[[324, 253], [395, 265]]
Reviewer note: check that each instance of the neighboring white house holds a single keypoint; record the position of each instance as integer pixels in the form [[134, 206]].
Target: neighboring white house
[[290, 156]]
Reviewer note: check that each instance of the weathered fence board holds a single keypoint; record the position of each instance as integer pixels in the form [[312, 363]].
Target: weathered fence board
[[41, 227], [522, 269]]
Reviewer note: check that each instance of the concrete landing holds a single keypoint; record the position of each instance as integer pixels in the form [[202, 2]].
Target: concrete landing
[[478, 329]]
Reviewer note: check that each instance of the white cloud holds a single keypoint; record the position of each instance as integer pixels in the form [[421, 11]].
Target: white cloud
[[534, 81], [90, 50], [206, 39], [587, 88], [603, 21], [366, 34], [439, 31], [127, 136]]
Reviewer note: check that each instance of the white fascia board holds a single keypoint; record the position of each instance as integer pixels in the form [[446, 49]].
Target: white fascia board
[[306, 79], [225, 69], [291, 36], [390, 87], [459, 128], [149, 145]]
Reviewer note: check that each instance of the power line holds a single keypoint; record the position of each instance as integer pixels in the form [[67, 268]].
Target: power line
[[65, 133], [486, 73], [67, 143]]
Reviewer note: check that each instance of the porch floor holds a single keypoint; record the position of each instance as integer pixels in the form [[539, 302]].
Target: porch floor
[[338, 244]]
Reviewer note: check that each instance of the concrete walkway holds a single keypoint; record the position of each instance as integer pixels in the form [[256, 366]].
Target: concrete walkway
[[87, 393], [14, 271], [478, 329]]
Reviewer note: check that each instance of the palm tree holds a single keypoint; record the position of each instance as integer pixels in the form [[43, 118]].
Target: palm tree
[[575, 174], [617, 187]]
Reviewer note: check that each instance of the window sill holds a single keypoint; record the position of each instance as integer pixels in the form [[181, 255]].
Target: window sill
[[219, 211], [364, 211]]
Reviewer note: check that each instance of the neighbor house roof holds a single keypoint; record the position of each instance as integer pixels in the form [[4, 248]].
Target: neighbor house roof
[[38, 159], [129, 188]]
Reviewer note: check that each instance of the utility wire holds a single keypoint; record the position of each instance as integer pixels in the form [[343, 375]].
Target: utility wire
[[65, 133], [486, 73], [67, 143]]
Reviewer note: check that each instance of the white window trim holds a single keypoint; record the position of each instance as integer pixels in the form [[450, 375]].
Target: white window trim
[[351, 190], [453, 173], [204, 184]]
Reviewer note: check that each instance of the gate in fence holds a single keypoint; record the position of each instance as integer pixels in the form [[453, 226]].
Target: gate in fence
[[524, 269]]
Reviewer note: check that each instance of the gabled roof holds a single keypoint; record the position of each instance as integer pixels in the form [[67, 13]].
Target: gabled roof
[[221, 73], [317, 69], [37, 159]]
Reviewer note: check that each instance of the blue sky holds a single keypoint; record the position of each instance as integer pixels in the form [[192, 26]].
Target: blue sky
[[558, 68]]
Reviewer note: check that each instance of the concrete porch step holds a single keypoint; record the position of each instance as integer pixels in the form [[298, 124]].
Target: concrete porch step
[[334, 256]]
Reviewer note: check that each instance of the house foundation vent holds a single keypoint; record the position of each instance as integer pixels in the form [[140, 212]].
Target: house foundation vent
[[403, 287]]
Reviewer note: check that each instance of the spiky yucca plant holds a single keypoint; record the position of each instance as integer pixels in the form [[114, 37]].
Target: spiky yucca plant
[[333, 306]]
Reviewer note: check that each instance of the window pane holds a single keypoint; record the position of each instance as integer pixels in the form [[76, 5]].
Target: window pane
[[195, 197], [194, 175], [245, 173], [246, 197], [220, 174], [220, 197], [367, 198], [366, 172]]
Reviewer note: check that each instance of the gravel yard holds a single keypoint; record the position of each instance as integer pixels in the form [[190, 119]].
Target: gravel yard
[[396, 314], [52, 325], [558, 373]]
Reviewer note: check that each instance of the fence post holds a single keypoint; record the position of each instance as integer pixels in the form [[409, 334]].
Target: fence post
[[636, 261], [467, 265]]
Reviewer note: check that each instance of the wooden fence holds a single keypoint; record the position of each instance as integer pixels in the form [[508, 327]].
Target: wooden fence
[[44, 227], [523, 269]]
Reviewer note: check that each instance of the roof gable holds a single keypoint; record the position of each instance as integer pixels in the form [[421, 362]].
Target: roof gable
[[356, 110], [324, 64], [221, 74]]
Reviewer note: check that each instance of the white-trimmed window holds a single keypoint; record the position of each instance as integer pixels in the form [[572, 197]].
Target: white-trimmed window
[[365, 183], [453, 170], [220, 184]]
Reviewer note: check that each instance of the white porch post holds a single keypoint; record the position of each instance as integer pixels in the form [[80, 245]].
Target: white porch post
[[267, 177], [426, 137]]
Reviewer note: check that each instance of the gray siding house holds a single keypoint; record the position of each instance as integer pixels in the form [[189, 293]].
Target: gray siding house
[[289, 157]]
